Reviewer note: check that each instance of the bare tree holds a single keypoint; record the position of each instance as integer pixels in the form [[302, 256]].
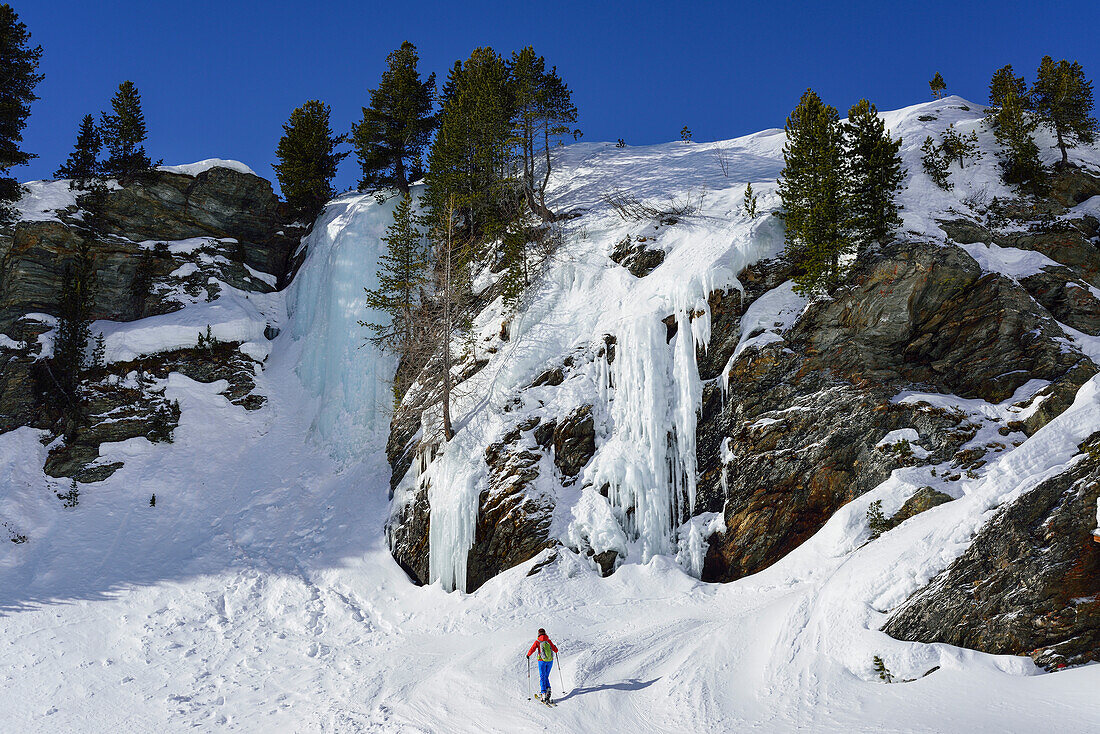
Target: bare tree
[[722, 157]]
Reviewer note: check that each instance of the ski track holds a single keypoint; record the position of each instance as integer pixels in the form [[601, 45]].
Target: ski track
[[259, 596]]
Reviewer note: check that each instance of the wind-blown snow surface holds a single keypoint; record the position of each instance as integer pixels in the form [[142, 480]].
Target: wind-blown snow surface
[[259, 596]]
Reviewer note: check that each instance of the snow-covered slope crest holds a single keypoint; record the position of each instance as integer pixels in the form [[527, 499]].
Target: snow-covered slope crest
[[194, 169]]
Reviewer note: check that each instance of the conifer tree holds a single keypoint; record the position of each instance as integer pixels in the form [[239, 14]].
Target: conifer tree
[[308, 159], [1020, 164], [1063, 98], [544, 113], [402, 273], [811, 187], [396, 127], [937, 85], [1003, 83], [123, 132], [470, 159], [83, 163], [750, 201], [18, 78], [75, 303], [873, 170], [959, 148], [934, 164]]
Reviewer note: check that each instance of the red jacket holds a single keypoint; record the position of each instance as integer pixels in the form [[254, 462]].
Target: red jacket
[[535, 646]]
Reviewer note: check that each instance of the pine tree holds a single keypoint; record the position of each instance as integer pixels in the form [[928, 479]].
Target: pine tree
[[396, 127], [959, 148], [83, 163], [308, 159], [544, 113], [934, 164], [811, 187], [19, 62], [750, 201], [1063, 98], [937, 85], [402, 273], [470, 160], [874, 174], [685, 134], [1003, 83], [123, 133], [1020, 164], [75, 303]]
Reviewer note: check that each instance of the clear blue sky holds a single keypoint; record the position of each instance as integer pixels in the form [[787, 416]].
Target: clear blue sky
[[218, 79]]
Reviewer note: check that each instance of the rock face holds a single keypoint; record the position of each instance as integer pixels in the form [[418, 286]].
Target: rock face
[[220, 204], [242, 240], [799, 423], [801, 419], [1028, 585]]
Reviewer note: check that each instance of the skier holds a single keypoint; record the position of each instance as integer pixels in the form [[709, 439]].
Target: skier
[[546, 650]]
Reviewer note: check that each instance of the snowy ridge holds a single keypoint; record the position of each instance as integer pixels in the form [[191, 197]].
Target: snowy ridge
[[194, 169]]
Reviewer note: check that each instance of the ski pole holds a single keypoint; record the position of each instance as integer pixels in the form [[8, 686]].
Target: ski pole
[[528, 676], [560, 679]]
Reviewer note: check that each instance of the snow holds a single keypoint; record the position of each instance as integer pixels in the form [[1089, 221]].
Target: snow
[[907, 436], [42, 200], [1009, 261], [259, 595], [765, 320], [235, 316], [194, 169]]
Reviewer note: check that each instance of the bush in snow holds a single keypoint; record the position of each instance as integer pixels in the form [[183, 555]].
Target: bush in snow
[[876, 521], [884, 673], [750, 201], [959, 148], [685, 134], [934, 164], [70, 498]]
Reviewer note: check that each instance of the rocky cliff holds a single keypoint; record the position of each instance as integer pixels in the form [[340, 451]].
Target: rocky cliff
[[160, 244], [940, 353]]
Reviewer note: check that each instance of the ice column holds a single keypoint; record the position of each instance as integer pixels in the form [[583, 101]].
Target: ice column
[[349, 377], [649, 461]]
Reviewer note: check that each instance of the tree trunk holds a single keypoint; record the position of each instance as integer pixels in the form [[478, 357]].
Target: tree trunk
[[448, 294], [399, 178]]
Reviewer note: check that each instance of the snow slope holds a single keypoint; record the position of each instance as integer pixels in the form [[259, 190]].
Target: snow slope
[[258, 595]]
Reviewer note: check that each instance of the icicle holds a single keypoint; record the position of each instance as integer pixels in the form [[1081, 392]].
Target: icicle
[[686, 375], [453, 499], [649, 461]]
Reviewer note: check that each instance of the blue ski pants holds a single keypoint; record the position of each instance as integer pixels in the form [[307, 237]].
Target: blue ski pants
[[544, 674]]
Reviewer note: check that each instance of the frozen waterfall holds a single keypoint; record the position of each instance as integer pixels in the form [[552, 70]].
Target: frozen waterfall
[[349, 377]]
